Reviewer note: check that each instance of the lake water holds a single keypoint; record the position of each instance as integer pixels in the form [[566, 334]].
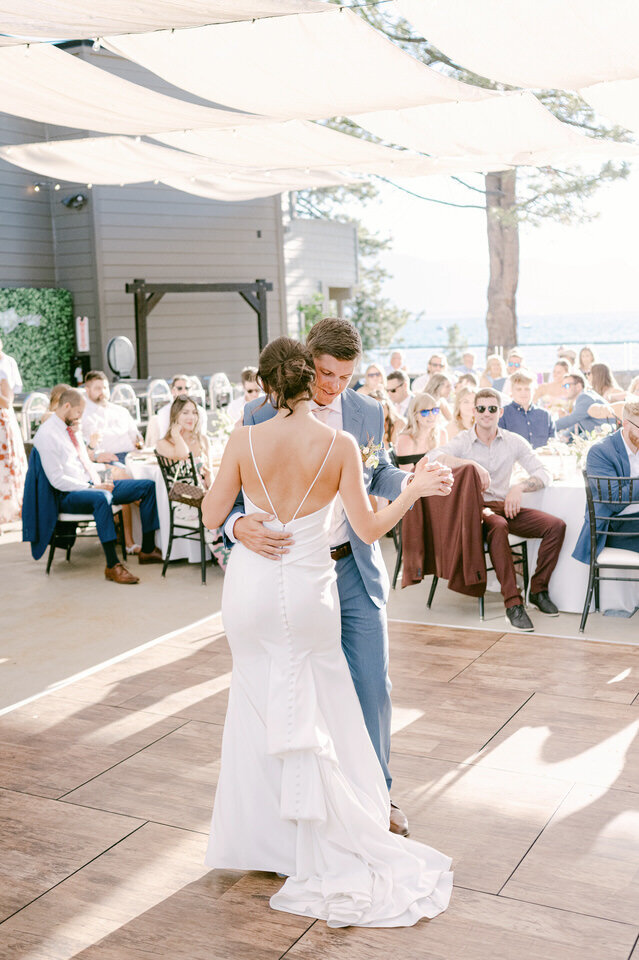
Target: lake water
[[615, 337]]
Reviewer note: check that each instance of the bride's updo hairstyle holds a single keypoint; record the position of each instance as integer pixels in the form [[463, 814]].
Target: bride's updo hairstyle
[[286, 372]]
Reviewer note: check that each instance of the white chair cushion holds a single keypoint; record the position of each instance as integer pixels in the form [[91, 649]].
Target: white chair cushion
[[626, 558], [76, 517]]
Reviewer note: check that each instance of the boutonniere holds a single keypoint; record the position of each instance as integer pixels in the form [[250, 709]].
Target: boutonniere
[[370, 452]]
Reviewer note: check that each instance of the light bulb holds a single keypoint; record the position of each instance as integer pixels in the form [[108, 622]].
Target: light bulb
[[57, 186], [37, 188]]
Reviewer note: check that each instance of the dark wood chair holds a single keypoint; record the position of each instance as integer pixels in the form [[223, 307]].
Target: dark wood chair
[[183, 473], [70, 526]]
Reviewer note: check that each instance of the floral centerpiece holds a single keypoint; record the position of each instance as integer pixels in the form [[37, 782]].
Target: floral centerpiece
[[582, 442]]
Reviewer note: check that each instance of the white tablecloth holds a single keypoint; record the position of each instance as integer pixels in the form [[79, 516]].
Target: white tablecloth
[[566, 498], [147, 469]]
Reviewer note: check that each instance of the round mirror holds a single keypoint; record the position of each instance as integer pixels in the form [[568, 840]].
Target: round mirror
[[120, 356]]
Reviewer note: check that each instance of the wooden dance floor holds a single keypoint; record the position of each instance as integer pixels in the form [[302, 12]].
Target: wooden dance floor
[[515, 755]]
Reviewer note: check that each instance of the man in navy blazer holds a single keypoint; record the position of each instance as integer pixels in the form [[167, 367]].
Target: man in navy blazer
[[362, 579], [581, 418], [614, 456]]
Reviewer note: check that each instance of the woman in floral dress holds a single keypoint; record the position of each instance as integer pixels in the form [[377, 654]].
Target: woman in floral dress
[[13, 463]]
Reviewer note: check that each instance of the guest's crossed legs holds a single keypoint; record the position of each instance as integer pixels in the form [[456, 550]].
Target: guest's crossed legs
[[365, 645], [98, 502], [527, 523]]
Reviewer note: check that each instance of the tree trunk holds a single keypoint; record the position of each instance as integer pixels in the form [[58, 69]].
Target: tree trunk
[[503, 251]]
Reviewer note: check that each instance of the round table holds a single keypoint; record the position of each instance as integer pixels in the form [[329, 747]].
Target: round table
[[566, 498]]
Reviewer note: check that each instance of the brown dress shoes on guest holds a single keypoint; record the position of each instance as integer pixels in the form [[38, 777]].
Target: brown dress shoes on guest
[[398, 821], [154, 557], [120, 574]]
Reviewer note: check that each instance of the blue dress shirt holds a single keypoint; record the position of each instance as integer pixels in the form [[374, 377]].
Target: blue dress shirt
[[534, 424]]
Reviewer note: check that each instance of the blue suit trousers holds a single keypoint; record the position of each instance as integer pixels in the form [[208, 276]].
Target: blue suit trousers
[[98, 502]]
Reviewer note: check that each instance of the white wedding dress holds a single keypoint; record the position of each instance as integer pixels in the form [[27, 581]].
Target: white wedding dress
[[301, 791]]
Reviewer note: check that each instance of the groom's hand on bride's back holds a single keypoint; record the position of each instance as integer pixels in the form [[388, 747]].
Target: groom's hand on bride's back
[[250, 531], [435, 479]]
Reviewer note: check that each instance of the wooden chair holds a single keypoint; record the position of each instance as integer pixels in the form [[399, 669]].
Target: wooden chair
[[183, 472], [611, 492], [66, 532]]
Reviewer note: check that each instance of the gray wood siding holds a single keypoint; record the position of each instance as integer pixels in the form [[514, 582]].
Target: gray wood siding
[[26, 239]]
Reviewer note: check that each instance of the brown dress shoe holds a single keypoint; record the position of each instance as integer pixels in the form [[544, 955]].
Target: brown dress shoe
[[154, 557], [120, 574], [398, 821]]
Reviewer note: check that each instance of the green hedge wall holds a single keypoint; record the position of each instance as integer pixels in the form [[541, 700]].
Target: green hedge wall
[[44, 342]]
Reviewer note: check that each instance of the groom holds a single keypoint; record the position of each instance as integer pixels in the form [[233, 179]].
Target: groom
[[362, 580]]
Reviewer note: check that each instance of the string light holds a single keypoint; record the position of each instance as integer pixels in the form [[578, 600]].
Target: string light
[[57, 186], [36, 188]]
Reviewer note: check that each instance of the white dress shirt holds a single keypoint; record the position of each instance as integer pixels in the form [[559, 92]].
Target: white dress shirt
[[9, 368], [115, 424], [66, 468], [633, 458]]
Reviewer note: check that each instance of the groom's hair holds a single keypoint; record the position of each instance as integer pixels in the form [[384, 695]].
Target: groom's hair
[[338, 338]]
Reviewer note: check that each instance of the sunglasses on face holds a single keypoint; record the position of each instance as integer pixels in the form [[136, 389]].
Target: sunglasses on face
[[440, 366], [373, 373], [482, 409], [426, 413], [569, 384], [513, 363], [394, 389]]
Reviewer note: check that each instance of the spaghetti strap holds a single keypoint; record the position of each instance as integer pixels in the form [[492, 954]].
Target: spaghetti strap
[[316, 477], [257, 470]]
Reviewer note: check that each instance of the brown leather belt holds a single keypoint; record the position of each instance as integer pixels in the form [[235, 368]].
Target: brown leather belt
[[343, 550]]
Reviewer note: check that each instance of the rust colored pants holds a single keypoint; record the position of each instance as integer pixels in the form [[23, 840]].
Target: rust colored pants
[[527, 523]]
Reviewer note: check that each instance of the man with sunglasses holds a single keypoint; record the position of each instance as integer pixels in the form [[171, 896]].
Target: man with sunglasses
[[493, 452], [581, 418], [614, 456], [398, 389]]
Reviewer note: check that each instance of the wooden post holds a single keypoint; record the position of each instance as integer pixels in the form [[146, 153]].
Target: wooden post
[[141, 333], [262, 322]]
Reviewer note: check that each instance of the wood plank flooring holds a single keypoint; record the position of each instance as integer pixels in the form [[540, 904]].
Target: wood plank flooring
[[518, 756]]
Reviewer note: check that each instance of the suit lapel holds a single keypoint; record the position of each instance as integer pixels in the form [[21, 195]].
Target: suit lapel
[[352, 415], [617, 439]]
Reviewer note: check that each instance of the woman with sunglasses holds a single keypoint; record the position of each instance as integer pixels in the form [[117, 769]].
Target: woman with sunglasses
[[440, 387], [423, 432], [375, 379]]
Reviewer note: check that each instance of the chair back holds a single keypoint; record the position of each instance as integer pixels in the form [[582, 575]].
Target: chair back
[[220, 391], [612, 495], [124, 395], [157, 394], [181, 480], [196, 390], [33, 409]]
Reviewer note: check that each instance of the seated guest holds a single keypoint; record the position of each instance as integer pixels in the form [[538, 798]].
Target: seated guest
[[587, 357], [634, 386], [436, 364], [159, 422], [585, 400], [183, 438], [13, 463], [467, 364], [614, 456], [70, 471], [109, 430], [463, 412], [373, 380], [551, 394], [467, 381], [514, 363], [603, 382], [495, 373], [54, 399], [396, 362], [567, 353], [393, 423], [399, 392], [521, 416], [250, 390], [494, 452], [440, 387], [422, 432]]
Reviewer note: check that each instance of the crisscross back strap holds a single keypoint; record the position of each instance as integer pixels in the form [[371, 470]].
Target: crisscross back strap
[[316, 476], [257, 470]]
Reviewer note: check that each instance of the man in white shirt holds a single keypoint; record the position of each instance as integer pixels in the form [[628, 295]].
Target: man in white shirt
[[396, 362], [399, 392], [250, 390], [159, 422], [9, 368], [70, 471], [109, 430]]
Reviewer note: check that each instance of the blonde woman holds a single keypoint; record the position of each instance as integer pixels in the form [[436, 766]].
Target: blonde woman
[[440, 387], [375, 379], [54, 399], [422, 432], [463, 412], [587, 357], [495, 373]]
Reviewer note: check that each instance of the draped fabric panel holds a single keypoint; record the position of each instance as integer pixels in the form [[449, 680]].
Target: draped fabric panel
[[617, 101], [298, 67], [52, 86], [82, 19], [564, 44]]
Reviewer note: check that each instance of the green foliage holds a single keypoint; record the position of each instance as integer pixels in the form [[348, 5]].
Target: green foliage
[[309, 312], [43, 352], [455, 346]]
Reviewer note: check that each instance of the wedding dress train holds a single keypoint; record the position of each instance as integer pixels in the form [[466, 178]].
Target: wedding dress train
[[301, 791]]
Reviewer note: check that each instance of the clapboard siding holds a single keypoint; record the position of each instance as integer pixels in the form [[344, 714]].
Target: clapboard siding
[[26, 238]]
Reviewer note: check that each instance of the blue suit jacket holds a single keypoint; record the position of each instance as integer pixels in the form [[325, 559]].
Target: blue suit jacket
[[608, 458], [579, 416], [39, 507], [363, 418]]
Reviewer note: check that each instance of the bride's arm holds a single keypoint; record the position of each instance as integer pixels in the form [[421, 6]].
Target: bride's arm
[[370, 526], [217, 503]]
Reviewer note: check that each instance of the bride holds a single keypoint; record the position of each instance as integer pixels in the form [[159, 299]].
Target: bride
[[301, 791]]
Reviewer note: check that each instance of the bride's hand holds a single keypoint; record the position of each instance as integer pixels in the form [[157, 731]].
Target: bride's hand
[[432, 479], [251, 532]]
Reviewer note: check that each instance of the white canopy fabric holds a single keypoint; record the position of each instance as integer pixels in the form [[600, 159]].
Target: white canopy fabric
[[298, 67], [51, 86], [240, 185], [543, 44], [617, 101], [514, 127], [81, 19]]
